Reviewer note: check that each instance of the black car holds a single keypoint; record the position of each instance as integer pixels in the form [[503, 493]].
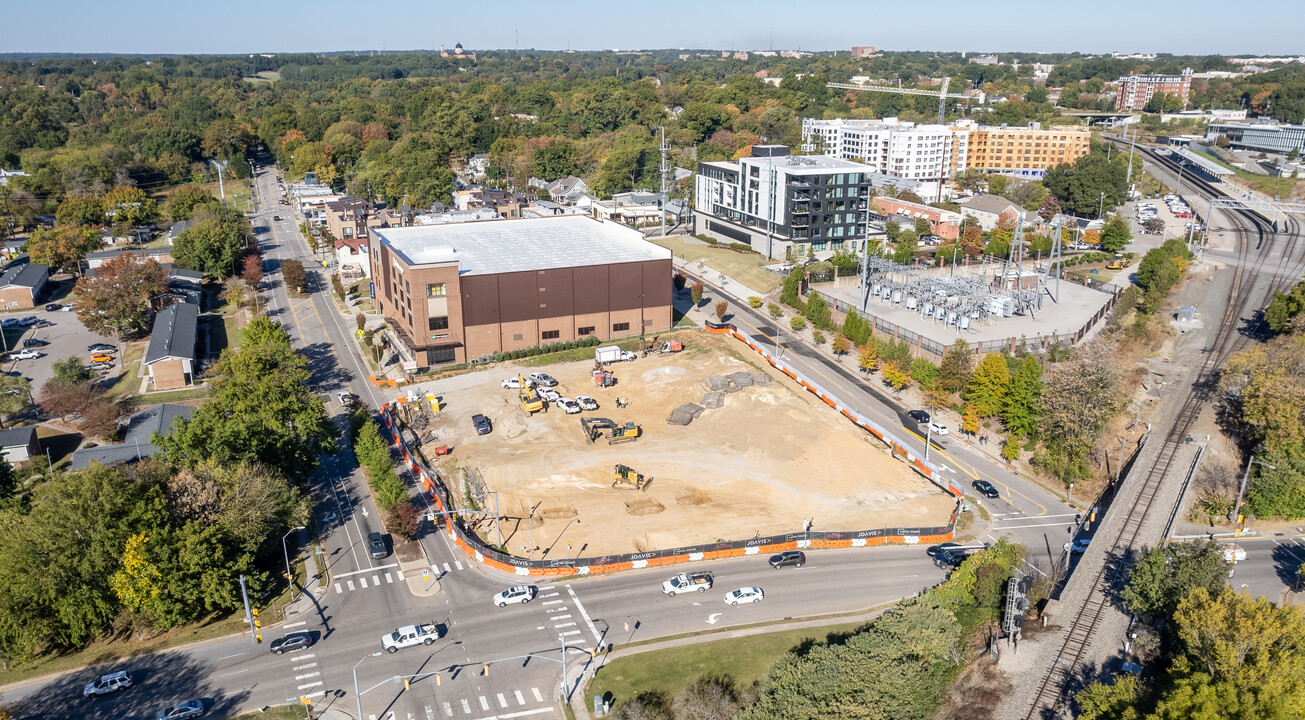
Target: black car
[[986, 489], [35, 342], [482, 424], [291, 642], [933, 550], [52, 307], [919, 416], [376, 543], [788, 557]]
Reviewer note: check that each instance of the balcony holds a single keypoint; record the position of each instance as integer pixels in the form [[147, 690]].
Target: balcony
[[802, 208], [803, 221]]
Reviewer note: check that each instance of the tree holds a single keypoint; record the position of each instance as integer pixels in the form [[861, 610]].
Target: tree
[[252, 271], [117, 299], [1023, 404], [1245, 641], [293, 274], [797, 323], [840, 345], [790, 294], [1049, 208], [183, 201], [137, 581], [263, 409], [774, 310], [554, 161], [64, 400], [904, 253], [895, 376], [988, 386], [70, 370], [856, 328], [80, 210], [1078, 397], [1277, 489], [869, 358], [997, 184], [100, 413], [226, 139], [722, 307], [711, 697], [703, 119], [957, 367], [1117, 700], [1264, 390], [1166, 574], [129, 206], [1079, 187], [970, 420], [213, 245], [1116, 234], [817, 311], [924, 372], [1284, 307], [64, 247]]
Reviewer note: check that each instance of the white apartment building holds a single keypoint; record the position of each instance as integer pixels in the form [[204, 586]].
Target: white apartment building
[[925, 153]]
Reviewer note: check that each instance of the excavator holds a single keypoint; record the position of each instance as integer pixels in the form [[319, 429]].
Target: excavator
[[594, 428], [531, 402]]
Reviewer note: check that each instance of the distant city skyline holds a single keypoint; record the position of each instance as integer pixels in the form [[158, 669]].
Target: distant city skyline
[[242, 27]]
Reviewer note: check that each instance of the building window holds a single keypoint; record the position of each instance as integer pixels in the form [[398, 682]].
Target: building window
[[441, 356], [435, 290], [439, 323], [551, 334], [621, 327], [518, 336], [588, 330]]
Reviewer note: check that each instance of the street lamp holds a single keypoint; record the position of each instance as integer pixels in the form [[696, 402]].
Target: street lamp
[[222, 165], [928, 433], [358, 696], [289, 576], [1232, 517]]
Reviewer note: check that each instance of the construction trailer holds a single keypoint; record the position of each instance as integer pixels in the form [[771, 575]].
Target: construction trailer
[[617, 433], [626, 477]]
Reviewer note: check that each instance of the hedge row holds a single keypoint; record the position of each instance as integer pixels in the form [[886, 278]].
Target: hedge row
[[590, 341]]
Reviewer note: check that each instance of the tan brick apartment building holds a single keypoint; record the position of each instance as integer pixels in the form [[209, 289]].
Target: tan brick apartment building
[[21, 285], [464, 290], [1026, 151], [1136, 90]]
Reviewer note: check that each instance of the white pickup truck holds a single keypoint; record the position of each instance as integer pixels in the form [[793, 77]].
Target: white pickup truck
[[410, 635], [687, 582]]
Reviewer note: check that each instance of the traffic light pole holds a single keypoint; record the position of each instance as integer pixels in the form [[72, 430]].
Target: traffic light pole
[[251, 614]]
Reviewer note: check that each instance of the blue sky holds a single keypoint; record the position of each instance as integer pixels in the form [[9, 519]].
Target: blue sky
[[242, 26]]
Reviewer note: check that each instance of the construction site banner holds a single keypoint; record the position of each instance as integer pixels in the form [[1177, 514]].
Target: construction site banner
[[461, 534]]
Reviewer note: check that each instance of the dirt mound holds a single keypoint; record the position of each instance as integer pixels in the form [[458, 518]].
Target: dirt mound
[[694, 497], [646, 506], [558, 513]]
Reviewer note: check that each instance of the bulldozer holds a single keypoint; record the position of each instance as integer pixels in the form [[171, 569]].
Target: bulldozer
[[530, 400], [626, 477], [594, 428]]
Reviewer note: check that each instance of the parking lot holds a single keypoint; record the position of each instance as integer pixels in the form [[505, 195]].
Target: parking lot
[[67, 337], [1174, 226]]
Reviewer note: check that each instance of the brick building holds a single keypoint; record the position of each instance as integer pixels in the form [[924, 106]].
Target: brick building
[[21, 285], [1136, 90], [464, 290], [943, 223], [1026, 151]]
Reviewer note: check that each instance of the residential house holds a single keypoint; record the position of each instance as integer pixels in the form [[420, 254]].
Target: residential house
[[138, 437], [988, 210], [161, 255], [353, 253], [21, 285], [636, 209], [943, 223], [177, 228], [567, 189], [19, 444], [170, 357], [184, 286]]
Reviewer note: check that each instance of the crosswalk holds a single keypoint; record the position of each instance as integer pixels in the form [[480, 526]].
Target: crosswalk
[[305, 668], [364, 579], [495, 706]]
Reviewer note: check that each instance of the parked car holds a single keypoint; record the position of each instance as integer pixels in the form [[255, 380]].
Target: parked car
[[586, 402], [51, 307], [543, 379], [11, 322], [68, 308], [101, 358], [744, 595], [29, 321], [919, 416], [516, 594], [101, 348], [345, 397], [795, 558], [550, 394], [482, 424], [28, 355], [570, 406], [35, 342], [42, 324], [1077, 547], [111, 683], [514, 383], [937, 428], [100, 366], [181, 711], [986, 489], [376, 544], [291, 642]]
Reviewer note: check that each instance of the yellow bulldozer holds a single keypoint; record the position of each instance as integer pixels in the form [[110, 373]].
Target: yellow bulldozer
[[626, 477]]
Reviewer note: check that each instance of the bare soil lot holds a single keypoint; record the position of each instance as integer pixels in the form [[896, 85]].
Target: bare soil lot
[[771, 457]]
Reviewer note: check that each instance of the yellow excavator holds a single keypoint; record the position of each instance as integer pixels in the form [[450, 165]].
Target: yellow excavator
[[531, 402]]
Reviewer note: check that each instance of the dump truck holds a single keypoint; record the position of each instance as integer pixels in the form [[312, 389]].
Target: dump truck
[[626, 477], [410, 635], [687, 582]]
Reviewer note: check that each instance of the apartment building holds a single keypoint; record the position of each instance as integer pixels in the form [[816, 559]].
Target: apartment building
[[926, 153], [1136, 90], [774, 201], [1026, 151], [459, 291]]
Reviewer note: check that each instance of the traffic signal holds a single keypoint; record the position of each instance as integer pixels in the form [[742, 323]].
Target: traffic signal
[[438, 680], [259, 637], [593, 652], [486, 670], [255, 612], [406, 684], [258, 624]]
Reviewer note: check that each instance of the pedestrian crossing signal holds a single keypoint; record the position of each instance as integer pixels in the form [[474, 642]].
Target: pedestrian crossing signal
[[406, 684], [259, 638]]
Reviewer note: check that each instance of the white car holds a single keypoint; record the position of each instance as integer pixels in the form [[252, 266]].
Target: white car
[[514, 383], [937, 428], [744, 595], [28, 354], [1077, 547], [113, 682], [516, 594], [540, 378], [586, 402], [570, 406], [345, 397], [68, 308], [550, 394]]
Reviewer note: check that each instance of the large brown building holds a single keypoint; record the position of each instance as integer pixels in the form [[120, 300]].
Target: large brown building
[[1135, 91], [1026, 151], [466, 290]]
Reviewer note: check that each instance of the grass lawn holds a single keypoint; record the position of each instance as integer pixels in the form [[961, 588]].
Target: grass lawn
[[232, 336], [743, 268], [280, 712], [1268, 184], [745, 659], [174, 396], [108, 649], [127, 383], [264, 78]]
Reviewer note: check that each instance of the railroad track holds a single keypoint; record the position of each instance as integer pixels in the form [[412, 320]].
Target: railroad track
[[1255, 248]]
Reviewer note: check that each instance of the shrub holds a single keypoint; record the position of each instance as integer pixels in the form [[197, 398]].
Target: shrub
[[361, 321], [797, 323], [819, 337], [1010, 452], [404, 520], [774, 310], [754, 302]]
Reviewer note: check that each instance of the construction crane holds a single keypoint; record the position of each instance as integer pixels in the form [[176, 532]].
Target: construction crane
[[941, 93]]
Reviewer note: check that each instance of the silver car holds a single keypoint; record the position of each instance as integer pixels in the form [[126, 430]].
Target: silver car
[[180, 711]]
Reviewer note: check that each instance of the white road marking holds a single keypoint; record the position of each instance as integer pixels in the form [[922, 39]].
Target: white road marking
[[376, 579], [1021, 527], [311, 684], [362, 582], [554, 602], [597, 638], [562, 617], [466, 706], [337, 588], [521, 700], [367, 570], [297, 658], [305, 676], [448, 568], [398, 574], [573, 641], [562, 625], [350, 584], [389, 578], [552, 594], [448, 709], [502, 701], [458, 563], [224, 657], [571, 632], [484, 704], [523, 713], [538, 697], [301, 623], [304, 667]]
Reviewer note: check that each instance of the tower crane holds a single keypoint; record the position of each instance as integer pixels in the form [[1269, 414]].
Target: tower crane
[[941, 93]]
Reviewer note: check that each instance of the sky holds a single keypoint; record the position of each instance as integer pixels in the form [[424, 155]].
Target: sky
[[1199, 27]]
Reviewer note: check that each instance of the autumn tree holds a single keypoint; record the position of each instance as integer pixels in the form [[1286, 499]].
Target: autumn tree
[[64, 247], [957, 367], [895, 376], [213, 245], [183, 201], [80, 210], [1079, 396], [988, 386], [869, 359], [252, 271], [1049, 208], [1263, 388], [722, 307], [117, 299]]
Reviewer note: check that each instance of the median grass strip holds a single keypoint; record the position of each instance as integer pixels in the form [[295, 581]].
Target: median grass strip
[[280, 712], [746, 659]]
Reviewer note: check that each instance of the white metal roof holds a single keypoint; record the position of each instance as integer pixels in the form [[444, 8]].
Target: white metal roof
[[499, 246]]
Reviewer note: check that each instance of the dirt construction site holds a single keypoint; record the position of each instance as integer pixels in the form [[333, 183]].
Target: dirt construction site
[[767, 457]]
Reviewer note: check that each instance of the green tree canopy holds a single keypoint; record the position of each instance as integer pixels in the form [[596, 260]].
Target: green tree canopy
[[988, 386], [1166, 574], [213, 244]]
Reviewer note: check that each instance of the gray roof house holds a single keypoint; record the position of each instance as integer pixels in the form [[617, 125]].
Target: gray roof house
[[170, 356], [988, 209], [136, 445], [19, 444], [21, 284]]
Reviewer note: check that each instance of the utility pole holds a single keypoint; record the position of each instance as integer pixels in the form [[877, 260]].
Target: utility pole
[[663, 147], [249, 616]]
